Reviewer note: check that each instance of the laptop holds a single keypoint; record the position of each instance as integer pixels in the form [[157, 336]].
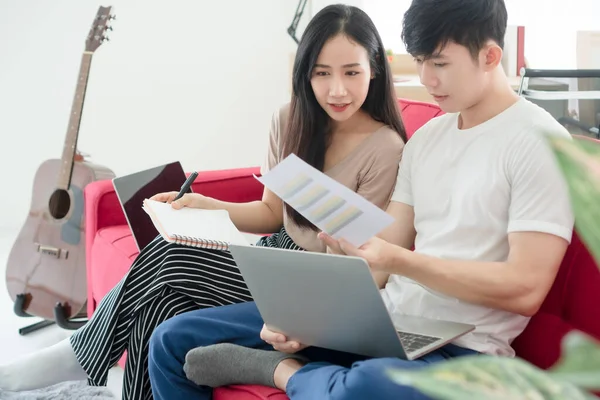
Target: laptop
[[333, 302], [132, 189]]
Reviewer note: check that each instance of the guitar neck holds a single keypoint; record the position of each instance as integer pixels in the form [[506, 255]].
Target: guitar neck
[[70, 147]]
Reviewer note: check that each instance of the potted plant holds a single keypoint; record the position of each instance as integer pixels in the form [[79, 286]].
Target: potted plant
[[390, 55]]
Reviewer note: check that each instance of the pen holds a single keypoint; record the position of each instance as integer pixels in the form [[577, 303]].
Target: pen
[[186, 185]]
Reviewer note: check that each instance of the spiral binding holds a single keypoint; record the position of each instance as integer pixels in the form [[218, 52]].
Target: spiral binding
[[201, 243]]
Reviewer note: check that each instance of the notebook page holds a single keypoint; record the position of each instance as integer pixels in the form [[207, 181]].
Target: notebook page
[[193, 222]]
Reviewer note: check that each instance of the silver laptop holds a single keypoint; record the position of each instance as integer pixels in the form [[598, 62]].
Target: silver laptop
[[333, 302]]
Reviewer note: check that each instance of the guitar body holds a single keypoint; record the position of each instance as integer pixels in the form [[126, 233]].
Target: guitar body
[[46, 270], [47, 261]]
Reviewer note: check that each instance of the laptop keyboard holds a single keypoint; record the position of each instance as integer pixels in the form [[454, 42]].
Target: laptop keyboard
[[413, 342]]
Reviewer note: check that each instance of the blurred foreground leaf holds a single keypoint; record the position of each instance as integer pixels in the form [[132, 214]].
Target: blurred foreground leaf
[[580, 362], [487, 377]]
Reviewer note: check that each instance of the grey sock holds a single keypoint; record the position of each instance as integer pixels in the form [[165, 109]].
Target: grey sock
[[229, 364]]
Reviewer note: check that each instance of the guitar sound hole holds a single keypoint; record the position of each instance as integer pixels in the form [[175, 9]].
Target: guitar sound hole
[[60, 203]]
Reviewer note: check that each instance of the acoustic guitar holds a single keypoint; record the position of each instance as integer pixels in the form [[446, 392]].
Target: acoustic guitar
[[46, 271]]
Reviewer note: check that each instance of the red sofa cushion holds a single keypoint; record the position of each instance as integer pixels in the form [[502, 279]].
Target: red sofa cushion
[[572, 303], [248, 392], [540, 342], [581, 305]]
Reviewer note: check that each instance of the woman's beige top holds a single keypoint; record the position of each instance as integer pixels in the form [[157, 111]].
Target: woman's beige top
[[370, 170]]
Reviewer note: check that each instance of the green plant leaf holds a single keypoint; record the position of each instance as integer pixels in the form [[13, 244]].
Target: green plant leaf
[[486, 377], [580, 361], [579, 160]]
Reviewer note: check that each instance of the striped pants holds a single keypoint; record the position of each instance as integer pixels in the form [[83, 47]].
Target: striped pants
[[165, 280]]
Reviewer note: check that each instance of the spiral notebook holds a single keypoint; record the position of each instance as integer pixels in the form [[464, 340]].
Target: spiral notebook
[[208, 229]]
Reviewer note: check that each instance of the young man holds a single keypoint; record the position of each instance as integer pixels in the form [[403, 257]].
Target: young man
[[478, 194]]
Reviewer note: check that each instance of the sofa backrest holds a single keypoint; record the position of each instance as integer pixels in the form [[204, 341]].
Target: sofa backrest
[[233, 185], [416, 113], [573, 303], [579, 288]]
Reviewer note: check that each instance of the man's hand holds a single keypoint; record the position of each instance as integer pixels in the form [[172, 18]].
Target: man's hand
[[280, 342], [377, 252]]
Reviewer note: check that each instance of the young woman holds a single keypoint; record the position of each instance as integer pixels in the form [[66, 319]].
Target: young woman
[[343, 119]]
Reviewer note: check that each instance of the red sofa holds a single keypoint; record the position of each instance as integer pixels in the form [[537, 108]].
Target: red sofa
[[573, 302]]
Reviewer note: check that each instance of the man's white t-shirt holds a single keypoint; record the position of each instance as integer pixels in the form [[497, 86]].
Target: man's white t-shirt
[[470, 188]]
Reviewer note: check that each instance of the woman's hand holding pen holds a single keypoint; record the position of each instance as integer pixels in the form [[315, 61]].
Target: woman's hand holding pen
[[181, 199], [191, 200]]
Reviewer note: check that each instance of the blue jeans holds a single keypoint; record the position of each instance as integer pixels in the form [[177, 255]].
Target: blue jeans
[[330, 375]]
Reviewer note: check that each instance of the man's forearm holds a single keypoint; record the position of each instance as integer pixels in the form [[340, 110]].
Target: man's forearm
[[491, 284]]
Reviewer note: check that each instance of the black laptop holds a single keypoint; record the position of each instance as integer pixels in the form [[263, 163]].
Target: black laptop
[[134, 188]]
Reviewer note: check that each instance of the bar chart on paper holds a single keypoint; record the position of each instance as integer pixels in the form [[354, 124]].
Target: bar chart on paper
[[326, 203]]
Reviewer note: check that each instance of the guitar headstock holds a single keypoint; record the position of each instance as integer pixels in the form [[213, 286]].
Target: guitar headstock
[[97, 35]]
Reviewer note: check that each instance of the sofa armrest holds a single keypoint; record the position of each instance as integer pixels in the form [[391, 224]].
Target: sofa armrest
[[102, 208]]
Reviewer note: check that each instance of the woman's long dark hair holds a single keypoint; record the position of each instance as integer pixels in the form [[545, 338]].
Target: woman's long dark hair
[[308, 128]]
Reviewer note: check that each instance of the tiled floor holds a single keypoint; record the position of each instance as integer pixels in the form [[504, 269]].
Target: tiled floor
[[13, 345]]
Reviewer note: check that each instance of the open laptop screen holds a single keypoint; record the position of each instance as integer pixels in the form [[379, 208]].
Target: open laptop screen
[[134, 188]]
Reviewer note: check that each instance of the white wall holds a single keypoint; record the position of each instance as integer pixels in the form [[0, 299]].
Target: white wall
[[550, 26], [187, 80]]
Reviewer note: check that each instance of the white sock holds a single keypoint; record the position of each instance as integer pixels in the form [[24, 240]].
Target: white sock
[[43, 368]]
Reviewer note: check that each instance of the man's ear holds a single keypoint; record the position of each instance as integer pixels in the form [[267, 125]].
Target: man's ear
[[492, 56]]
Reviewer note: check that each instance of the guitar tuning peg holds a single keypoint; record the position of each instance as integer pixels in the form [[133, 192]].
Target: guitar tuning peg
[[105, 39], [109, 28], [112, 17]]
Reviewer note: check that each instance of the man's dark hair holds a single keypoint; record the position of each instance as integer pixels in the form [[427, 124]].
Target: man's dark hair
[[430, 24]]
